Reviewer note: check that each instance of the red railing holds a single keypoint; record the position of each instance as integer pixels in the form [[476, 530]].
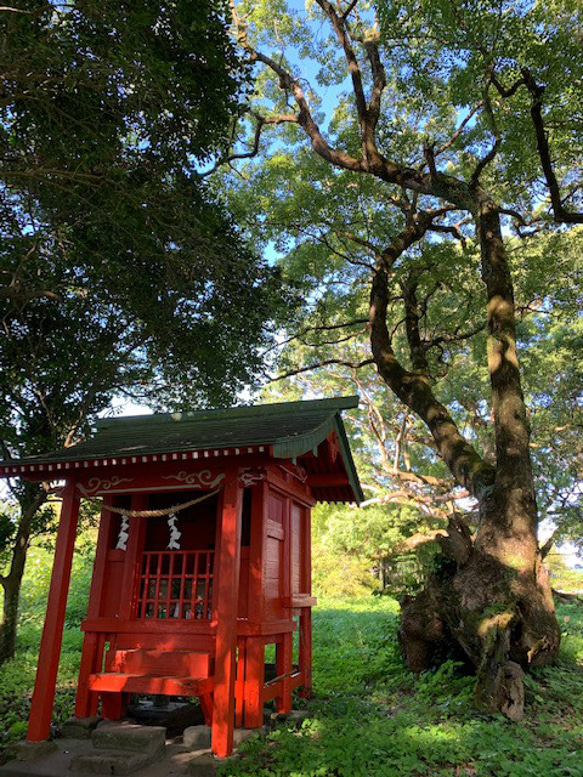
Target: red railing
[[176, 584]]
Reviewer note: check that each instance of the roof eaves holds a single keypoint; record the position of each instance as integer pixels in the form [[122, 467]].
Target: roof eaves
[[291, 447], [348, 460]]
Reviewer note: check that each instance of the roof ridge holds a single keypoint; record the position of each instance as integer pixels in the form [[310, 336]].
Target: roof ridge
[[333, 403]]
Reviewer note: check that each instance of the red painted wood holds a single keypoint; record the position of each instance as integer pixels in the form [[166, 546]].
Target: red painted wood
[[305, 647], [89, 663], [211, 601], [334, 479], [256, 549], [240, 683], [143, 626], [286, 569], [297, 601], [185, 571], [206, 705], [50, 648], [179, 663], [278, 484], [118, 682], [254, 682], [305, 652], [131, 563], [92, 653], [243, 610], [113, 705], [225, 614], [284, 670]]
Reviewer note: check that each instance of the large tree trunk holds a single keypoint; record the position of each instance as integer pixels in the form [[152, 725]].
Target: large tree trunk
[[30, 502], [497, 615], [492, 601]]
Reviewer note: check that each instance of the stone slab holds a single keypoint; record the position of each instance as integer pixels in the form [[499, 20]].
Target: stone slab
[[79, 728], [197, 737], [32, 751], [175, 761], [111, 735], [113, 762], [243, 734], [204, 766]]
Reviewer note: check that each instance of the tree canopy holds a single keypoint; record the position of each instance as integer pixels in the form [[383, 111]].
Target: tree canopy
[[121, 271], [417, 165], [109, 110]]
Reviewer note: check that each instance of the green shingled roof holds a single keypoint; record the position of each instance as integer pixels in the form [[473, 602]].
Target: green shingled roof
[[290, 429]]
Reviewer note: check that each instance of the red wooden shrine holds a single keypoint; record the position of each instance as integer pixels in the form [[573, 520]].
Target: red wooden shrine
[[185, 597]]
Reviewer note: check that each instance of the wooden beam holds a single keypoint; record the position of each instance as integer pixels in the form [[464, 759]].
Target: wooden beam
[[321, 481], [225, 614], [41, 709]]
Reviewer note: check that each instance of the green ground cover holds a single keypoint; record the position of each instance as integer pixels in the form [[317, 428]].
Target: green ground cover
[[372, 718], [369, 715]]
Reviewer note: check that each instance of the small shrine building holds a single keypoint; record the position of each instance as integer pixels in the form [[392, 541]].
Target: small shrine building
[[202, 559]]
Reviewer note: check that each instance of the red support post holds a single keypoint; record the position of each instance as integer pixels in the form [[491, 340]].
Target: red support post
[[284, 665], [240, 685], [254, 682], [131, 564], [305, 657], [305, 651], [225, 615], [92, 654], [41, 709]]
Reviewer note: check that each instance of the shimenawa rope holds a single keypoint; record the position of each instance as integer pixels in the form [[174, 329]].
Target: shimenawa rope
[[156, 513]]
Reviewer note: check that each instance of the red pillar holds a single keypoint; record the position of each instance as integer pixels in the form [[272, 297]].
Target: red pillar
[[254, 682], [225, 615], [92, 654], [305, 657], [41, 709]]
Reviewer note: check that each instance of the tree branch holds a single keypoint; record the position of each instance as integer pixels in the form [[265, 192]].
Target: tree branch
[[466, 465], [561, 214], [317, 365]]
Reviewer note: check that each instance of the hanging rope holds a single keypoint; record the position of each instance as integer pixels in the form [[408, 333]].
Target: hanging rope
[[157, 513]]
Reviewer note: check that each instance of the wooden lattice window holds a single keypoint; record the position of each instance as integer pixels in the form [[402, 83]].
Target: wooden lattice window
[[176, 584]]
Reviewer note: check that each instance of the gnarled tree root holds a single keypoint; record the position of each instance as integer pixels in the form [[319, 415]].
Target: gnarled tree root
[[498, 619]]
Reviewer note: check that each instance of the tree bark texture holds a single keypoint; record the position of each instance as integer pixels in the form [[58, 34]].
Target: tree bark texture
[[492, 602], [12, 582]]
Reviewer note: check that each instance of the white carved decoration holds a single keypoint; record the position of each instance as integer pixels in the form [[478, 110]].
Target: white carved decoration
[[251, 476], [203, 479], [124, 533], [175, 535], [95, 485]]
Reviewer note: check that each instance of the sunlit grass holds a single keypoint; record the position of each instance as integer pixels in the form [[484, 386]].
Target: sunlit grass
[[370, 716]]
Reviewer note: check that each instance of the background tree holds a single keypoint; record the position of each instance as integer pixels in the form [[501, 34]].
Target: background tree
[[121, 271], [454, 127]]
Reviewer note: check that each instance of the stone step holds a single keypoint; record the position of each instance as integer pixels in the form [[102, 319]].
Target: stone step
[[145, 740], [112, 762]]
